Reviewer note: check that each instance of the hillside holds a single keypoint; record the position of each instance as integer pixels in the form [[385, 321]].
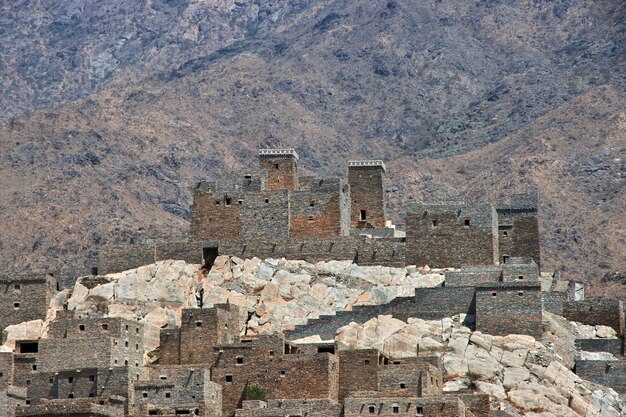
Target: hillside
[[476, 100]]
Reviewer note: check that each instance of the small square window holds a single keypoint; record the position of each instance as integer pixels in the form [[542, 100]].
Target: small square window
[[494, 293], [362, 215], [51, 380], [217, 203], [520, 293], [34, 367], [126, 343], [276, 166], [283, 373], [70, 379], [144, 395], [105, 327], [199, 323], [435, 223], [420, 410], [163, 377], [395, 408], [521, 277], [267, 200], [168, 395], [28, 382], [16, 305], [271, 353], [92, 378], [228, 201], [126, 363], [312, 204], [372, 408], [229, 378], [505, 232], [467, 221], [71, 395], [17, 286], [367, 361], [81, 327], [239, 360], [402, 385]]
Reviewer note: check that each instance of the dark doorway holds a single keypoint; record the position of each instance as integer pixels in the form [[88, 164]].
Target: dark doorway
[[208, 255]]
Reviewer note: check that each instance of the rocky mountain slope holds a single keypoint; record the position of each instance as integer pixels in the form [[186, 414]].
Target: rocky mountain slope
[[451, 96]]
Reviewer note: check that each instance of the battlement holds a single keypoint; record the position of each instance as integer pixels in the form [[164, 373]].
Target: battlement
[[367, 163], [279, 152]]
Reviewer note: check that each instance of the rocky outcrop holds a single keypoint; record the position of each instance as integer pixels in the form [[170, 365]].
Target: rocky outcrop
[[276, 293], [519, 373]]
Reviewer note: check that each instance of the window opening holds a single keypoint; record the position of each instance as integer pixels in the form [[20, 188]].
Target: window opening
[[435, 223], [362, 215], [467, 221]]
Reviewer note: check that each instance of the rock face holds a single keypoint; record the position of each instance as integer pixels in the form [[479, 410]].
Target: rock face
[[277, 294], [515, 370]]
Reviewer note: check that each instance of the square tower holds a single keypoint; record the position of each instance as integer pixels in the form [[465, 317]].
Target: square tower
[[367, 196], [282, 168]]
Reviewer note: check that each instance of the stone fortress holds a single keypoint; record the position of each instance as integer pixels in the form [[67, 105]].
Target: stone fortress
[[94, 364]]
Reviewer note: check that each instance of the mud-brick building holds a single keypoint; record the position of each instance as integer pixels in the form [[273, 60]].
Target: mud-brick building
[[25, 297]]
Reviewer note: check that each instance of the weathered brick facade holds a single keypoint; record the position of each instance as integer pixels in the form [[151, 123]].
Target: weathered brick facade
[[282, 168], [518, 228]]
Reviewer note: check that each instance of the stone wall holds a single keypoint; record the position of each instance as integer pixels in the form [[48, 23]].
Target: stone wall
[[594, 312], [201, 329], [24, 298], [614, 346], [81, 383], [177, 389], [518, 228], [282, 168], [273, 408], [122, 257], [358, 371], [363, 405], [509, 308], [363, 251], [74, 408], [367, 195], [316, 211], [609, 373], [215, 214], [451, 235], [6, 370]]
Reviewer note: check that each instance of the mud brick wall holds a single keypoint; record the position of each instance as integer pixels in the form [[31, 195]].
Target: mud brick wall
[[358, 371], [614, 346], [117, 258], [505, 308], [25, 298], [177, 388], [282, 170], [473, 275], [316, 211], [215, 215], [519, 228], [367, 193], [440, 237], [609, 373], [6, 369], [605, 312]]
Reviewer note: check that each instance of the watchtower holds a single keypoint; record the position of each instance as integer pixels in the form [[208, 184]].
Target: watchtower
[[366, 194], [282, 168]]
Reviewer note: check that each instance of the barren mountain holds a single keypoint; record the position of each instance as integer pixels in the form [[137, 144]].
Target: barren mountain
[[472, 99]]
